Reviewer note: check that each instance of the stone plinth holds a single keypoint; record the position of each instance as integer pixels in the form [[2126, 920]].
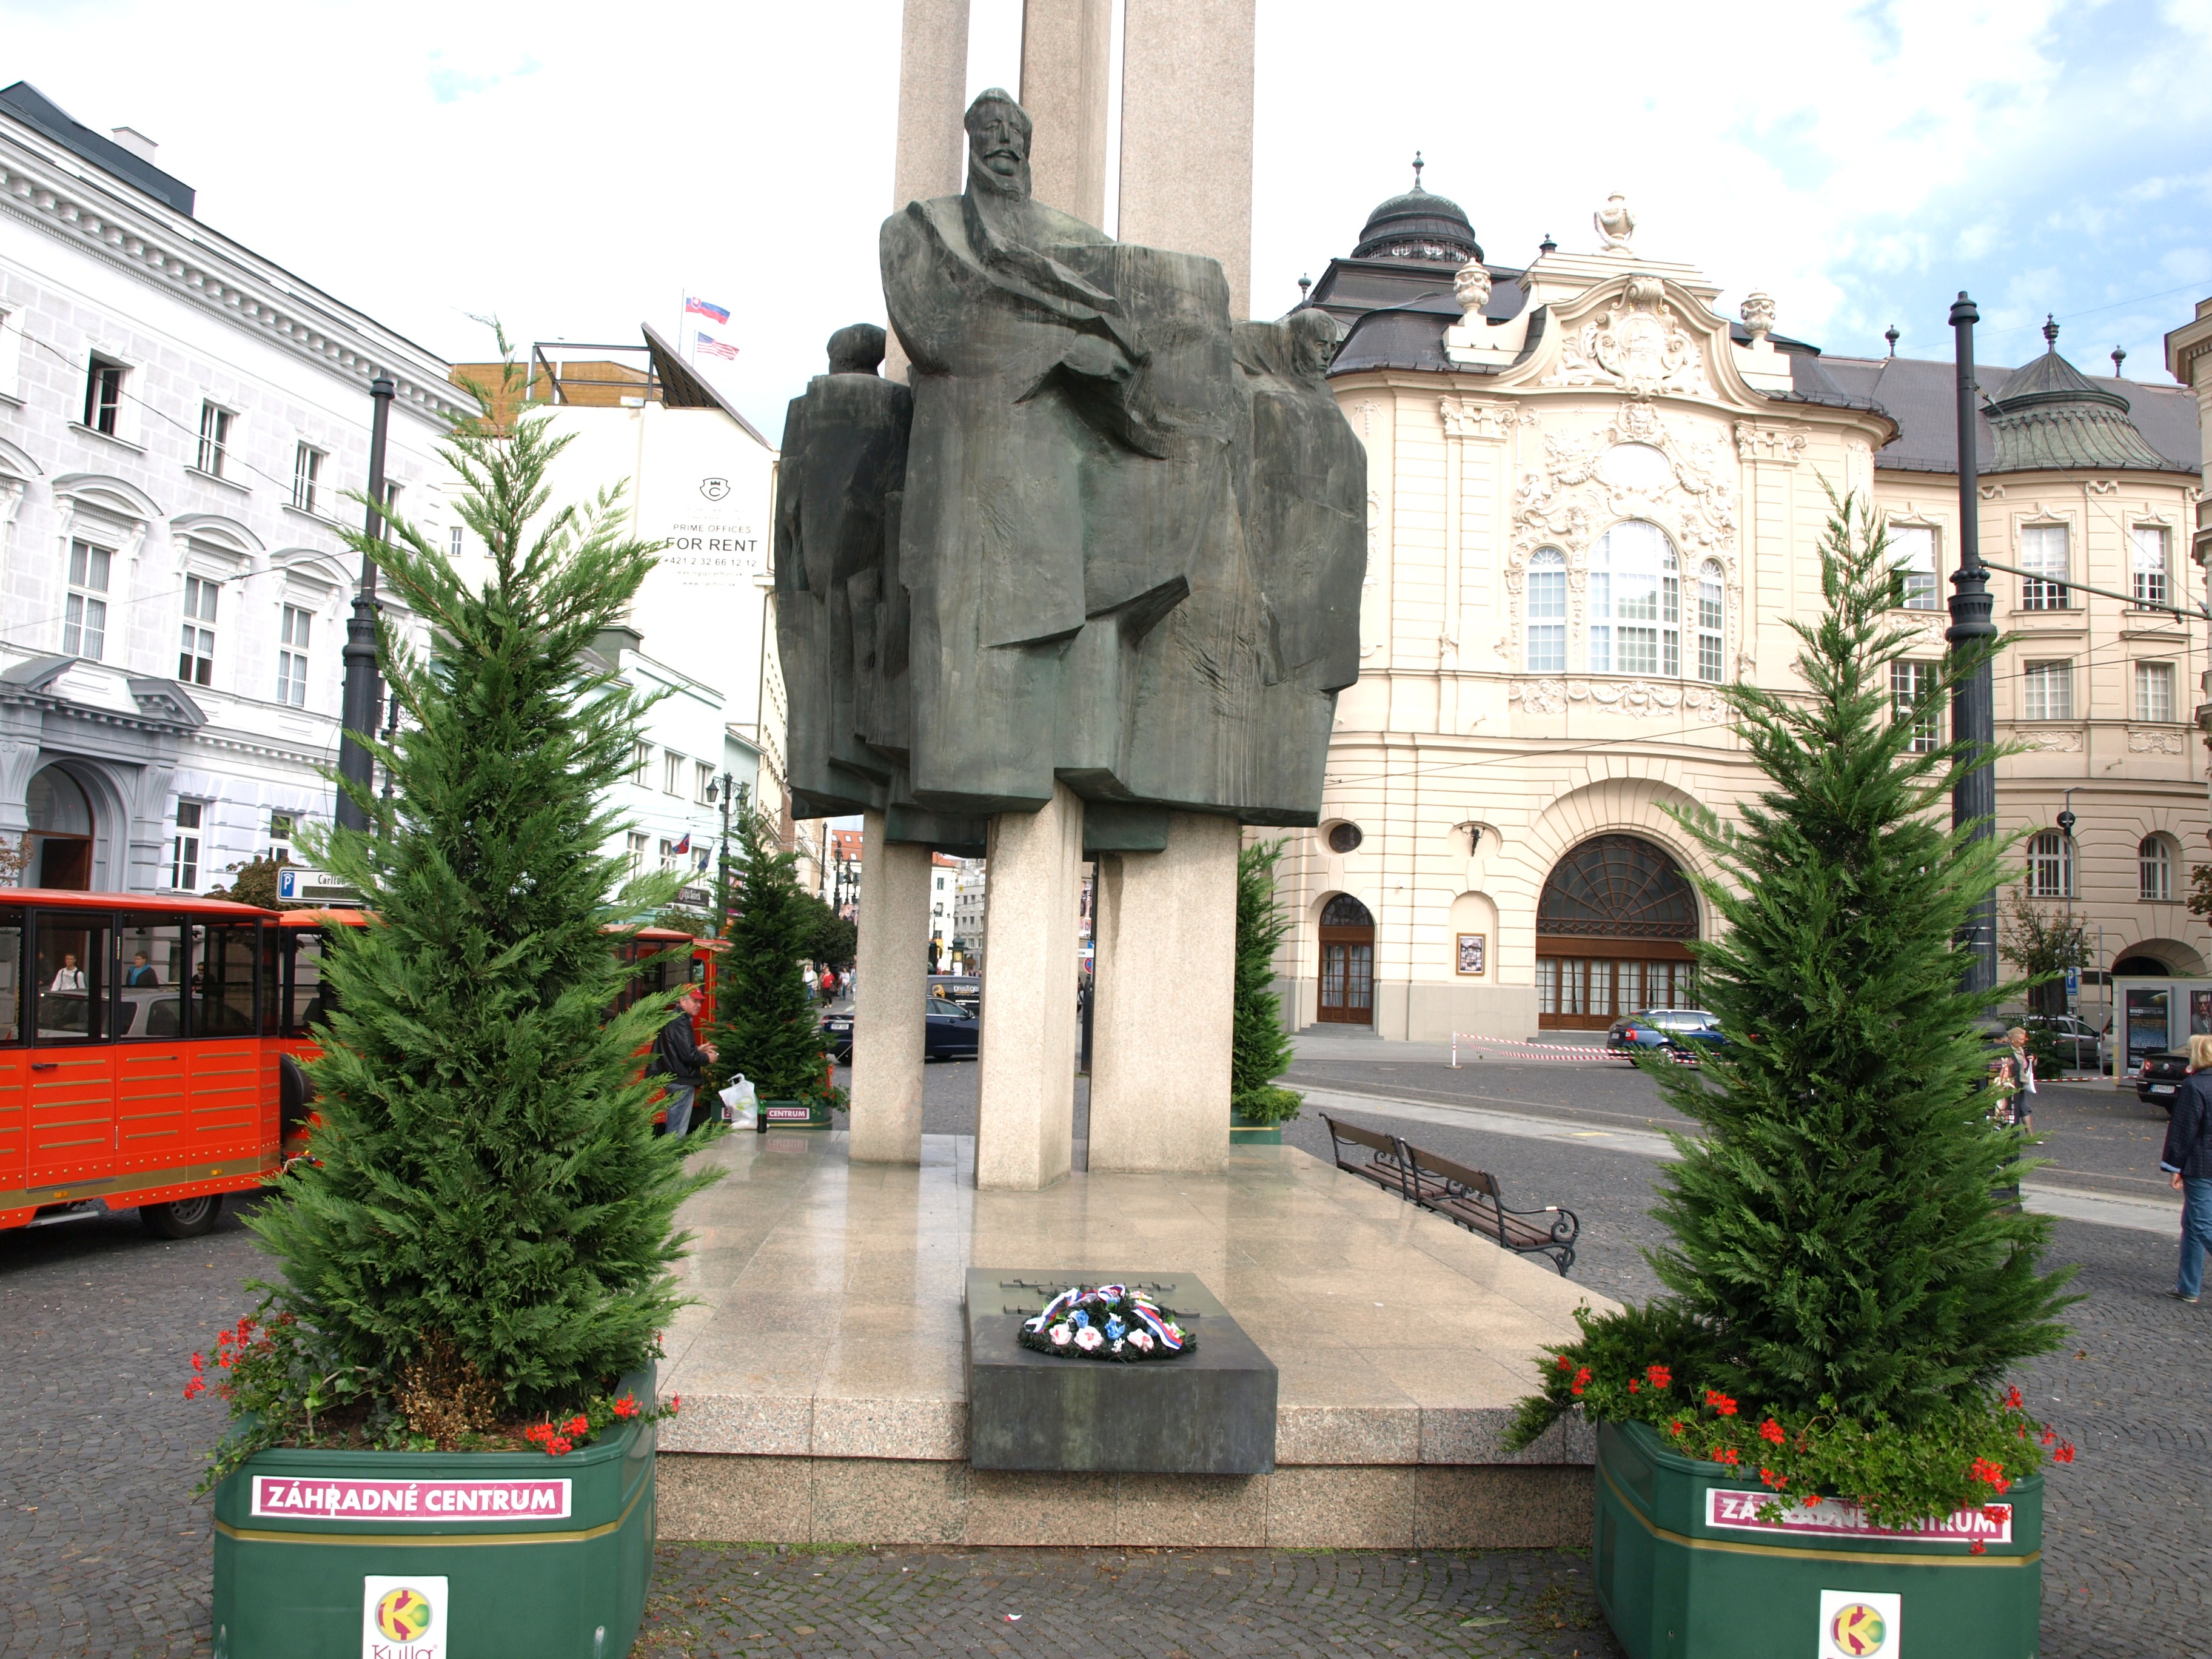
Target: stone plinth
[[889, 999], [1210, 1412], [1166, 987], [1025, 1061], [1186, 133]]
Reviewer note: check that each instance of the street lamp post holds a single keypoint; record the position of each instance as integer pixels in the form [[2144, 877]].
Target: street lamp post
[[363, 696], [729, 793], [1973, 702]]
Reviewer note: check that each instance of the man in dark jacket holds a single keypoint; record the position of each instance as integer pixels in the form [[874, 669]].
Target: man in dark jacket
[[2188, 1159], [679, 1060]]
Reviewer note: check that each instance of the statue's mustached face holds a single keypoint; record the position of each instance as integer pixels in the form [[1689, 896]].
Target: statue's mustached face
[[999, 144]]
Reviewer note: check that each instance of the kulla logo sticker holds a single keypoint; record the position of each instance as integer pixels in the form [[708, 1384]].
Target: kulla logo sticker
[[1859, 1624], [713, 488], [403, 1618]]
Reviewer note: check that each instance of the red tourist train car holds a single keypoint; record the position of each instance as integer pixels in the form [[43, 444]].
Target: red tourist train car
[[138, 1059]]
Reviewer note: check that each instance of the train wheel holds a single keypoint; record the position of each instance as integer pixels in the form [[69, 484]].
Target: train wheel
[[188, 1218]]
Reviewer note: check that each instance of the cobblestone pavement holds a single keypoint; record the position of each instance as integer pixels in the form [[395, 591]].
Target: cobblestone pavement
[[720, 1603]]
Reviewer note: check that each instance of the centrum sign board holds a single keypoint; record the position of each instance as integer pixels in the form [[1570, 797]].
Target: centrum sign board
[[1990, 1523], [423, 1501], [403, 1618]]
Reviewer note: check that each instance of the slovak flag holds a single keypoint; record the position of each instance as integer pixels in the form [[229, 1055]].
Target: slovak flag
[[705, 308], [683, 845], [715, 348]]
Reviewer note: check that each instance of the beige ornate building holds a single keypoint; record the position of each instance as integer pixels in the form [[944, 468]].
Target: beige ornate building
[[1592, 503]]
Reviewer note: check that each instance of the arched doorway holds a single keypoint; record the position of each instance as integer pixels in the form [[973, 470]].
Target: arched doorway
[[61, 831], [1347, 963], [1612, 928]]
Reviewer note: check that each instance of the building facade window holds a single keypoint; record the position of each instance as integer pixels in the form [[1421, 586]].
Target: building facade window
[[292, 656], [1547, 611], [306, 476], [103, 395], [453, 550], [2154, 866], [1712, 615], [1636, 603], [2046, 691], [637, 845], [1909, 683], [2043, 552], [2147, 565], [215, 439], [281, 826], [1912, 550], [668, 860], [641, 766], [185, 849], [2154, 690], [196, 651], [672, 773], [84, 612], [702, 779], [2049, 866]]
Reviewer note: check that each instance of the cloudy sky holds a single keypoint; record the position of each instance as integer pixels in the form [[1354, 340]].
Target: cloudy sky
[[576, 168]]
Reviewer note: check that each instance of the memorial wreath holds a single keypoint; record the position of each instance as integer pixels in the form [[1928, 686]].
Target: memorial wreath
[[1107, 1322]]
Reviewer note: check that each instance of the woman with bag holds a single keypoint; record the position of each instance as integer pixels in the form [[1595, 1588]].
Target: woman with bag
[[2188, 1159]]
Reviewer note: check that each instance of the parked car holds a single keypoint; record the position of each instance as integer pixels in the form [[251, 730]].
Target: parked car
[[949, 1032], [2158, 1076], [1661, 1028], [2079, 1047]]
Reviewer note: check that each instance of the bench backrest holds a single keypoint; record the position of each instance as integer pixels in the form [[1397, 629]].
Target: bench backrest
[[1380, 1143], [1475, 1181]]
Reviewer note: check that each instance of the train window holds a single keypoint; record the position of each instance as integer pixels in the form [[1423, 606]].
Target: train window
[[69, 964], [310, 996], [11, 976], [222, 982], [154, 971]]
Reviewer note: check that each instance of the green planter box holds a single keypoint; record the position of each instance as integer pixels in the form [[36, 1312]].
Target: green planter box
[[515, 1555], [1244, 1132], [792, 1114], [1684, 1573]]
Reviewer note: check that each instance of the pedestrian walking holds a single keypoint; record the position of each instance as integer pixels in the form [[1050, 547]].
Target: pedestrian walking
[[679, 1060], [2188, 1159], [2023, 1074]]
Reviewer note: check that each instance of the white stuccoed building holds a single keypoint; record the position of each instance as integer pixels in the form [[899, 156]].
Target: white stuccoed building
[[179, 418]]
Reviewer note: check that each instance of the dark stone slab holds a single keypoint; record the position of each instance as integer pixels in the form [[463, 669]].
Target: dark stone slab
[[1209, 1412]]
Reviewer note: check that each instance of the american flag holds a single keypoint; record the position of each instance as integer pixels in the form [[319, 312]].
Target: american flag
[[715, 348], [705, 308]]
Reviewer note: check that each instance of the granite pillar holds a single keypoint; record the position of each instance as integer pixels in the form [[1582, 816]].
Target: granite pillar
[[1066, 52], [1165, 928], [893, 983], [932, 92], [1186, 133], [1026, 1083]]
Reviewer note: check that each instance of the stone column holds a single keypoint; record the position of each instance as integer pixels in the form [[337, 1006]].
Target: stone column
[[1160, 1029], [1186, 133], [893, 980], [933, 149], [1066, 48], [1025, 1084]]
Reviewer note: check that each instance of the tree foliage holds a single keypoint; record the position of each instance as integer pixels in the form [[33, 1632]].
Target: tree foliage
[[254, 883], [1835, 1249], [1259, 1049], [765, 1021], [487, 1202], [2042, 945]]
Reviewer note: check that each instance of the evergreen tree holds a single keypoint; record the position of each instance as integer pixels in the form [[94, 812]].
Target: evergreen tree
[[766, 1023], [487, 1211], [1833, 1228], [1260, 1049]]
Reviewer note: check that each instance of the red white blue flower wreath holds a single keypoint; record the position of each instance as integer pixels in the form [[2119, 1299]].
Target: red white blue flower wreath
[[1111, 1321]]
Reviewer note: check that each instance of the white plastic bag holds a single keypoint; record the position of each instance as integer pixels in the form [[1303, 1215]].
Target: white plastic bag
[[738, 1102]]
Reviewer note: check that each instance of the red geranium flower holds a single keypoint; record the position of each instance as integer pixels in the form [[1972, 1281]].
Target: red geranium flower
[[1563, 1363], [1720, 1402], [579, 1425], [1660, 1376], [1632, 1386], [1977, 1547], [2013, 1399], [1726, 1455], [1771, 1431], [1678, 1425], [626, 1406], [2065, 1453]]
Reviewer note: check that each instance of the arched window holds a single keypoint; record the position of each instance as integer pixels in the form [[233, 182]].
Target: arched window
[[1636, 603], [1547, 611], [2155, 863], [2049, 866], [1712, 613]]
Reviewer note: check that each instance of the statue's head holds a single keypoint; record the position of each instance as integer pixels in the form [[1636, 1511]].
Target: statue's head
[[856, 349], [1314, 337], [998, 143]]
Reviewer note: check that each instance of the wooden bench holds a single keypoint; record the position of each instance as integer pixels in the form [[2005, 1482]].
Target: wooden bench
[[1471, 1198], [1380, 1159]]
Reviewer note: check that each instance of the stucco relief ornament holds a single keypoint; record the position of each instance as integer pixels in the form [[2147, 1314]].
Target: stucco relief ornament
[[1471, 288], [1615, 225], [2142, 742], [1539, 696], [1758, 315], [2064, 743], [1637, 343]]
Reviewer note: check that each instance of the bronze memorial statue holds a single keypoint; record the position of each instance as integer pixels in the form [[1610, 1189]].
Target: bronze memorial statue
[[1108, 537]]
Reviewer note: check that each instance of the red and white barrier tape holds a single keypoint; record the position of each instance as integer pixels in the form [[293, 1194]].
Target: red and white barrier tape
[[1552, 1051]]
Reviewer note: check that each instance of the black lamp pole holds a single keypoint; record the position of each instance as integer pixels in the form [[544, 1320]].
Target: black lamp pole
[[364, 694], [1973, 702]]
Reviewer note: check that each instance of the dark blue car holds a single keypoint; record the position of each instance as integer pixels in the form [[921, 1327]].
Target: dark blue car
[[1661, 1028], [950, 1032]]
